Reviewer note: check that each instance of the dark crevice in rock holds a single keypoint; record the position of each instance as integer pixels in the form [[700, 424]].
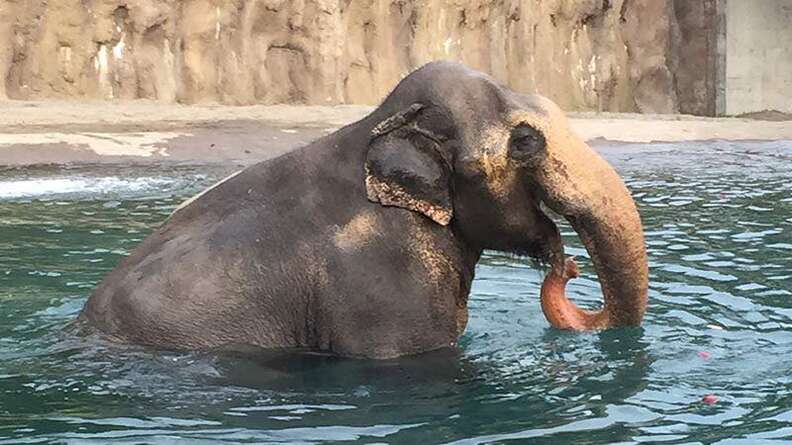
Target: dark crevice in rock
[[623, 11]]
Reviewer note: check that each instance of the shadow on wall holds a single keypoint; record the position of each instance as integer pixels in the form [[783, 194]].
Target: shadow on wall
[[609, 55]]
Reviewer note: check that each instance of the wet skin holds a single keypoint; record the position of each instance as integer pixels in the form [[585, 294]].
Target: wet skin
[[557, 308], [364, 243]]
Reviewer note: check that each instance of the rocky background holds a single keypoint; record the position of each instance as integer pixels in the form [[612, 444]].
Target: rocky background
[[606, 55]]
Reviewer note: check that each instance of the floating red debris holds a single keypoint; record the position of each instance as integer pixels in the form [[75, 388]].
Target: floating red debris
[[704, 355], [710, 399]]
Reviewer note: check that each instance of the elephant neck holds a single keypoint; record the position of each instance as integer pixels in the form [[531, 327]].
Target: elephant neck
[[564, 314]]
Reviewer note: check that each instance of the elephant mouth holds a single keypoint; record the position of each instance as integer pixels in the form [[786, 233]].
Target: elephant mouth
[[538, 254], [547, 250], [551, 253]]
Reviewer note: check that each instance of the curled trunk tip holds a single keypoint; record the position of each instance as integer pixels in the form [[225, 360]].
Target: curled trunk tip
[[559, 310]]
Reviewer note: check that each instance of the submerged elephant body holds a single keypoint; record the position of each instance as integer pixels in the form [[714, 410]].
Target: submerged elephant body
[[364, 242]]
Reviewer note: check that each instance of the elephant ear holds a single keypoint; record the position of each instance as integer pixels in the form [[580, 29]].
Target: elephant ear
[[405, 167]]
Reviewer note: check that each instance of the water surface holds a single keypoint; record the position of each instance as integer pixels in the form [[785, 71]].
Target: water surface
[[718, 221]]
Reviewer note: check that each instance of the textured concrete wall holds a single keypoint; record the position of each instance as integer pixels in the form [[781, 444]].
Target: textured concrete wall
[[695, 50], [758, 56], [609, 55]]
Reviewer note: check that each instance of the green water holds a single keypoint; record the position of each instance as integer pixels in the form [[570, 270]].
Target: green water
[[718, 221]]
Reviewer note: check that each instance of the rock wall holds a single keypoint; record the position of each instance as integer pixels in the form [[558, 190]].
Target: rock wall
[[694, 55], [610, 55]]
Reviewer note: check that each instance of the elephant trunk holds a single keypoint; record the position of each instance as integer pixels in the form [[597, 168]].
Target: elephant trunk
[[562, 313], [600, 209]]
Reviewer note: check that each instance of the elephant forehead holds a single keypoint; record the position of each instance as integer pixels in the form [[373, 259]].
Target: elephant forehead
[[493, 137], [493, 159], [539, 112], [534, 107], [360, 230], [551, 122]]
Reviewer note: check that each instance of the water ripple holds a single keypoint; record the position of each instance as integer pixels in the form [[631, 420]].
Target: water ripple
[[717, 216]]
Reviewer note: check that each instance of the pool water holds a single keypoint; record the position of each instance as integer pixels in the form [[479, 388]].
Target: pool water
[[718, 222]]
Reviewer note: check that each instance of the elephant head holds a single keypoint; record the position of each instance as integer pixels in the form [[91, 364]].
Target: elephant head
[[482, 160]]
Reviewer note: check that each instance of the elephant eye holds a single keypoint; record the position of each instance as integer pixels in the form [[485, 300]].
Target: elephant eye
[[525, 143]]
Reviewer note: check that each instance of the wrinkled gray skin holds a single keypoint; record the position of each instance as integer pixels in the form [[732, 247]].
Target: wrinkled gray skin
[[364, 242]]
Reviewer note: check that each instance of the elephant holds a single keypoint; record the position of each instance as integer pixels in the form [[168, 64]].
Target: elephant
[[364, 242]]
